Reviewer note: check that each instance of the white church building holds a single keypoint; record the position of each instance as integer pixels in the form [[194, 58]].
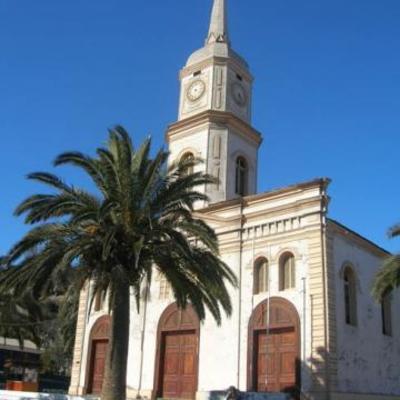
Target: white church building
[[304, 321]]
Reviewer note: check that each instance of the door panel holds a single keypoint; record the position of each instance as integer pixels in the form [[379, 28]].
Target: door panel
[[99, 353], [276, 355], [179, 372]]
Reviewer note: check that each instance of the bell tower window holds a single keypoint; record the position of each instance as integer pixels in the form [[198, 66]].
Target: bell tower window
[[187, 161], [241, 176]]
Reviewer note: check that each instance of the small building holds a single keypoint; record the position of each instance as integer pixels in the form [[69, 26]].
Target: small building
[[18, 363], [304, 320]]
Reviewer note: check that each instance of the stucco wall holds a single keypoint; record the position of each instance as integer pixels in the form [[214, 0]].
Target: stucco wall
[[219, 346], [270, 225], [368, 361], [223, 351]]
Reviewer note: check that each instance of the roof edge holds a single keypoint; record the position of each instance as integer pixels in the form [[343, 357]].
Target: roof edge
[[321, 182], [359, 236]]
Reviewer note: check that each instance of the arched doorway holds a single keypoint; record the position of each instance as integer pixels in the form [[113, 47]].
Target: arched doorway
[[274, 353], [176, 375], [99, 338]]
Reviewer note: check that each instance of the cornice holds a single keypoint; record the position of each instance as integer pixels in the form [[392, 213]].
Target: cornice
[[217, 117], [233, 244], [191, 69], [298, 209], [322, 183]]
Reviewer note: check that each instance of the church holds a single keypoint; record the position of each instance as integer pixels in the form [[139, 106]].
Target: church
[[304, 321]]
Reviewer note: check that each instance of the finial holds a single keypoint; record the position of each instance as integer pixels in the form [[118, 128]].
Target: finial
[[218, 32]]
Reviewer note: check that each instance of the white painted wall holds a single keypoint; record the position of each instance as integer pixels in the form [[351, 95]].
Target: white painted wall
[[219, 348], [368, 361]]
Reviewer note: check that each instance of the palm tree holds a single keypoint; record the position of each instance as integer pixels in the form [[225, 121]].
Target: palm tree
[[388, 278], [139, 220]]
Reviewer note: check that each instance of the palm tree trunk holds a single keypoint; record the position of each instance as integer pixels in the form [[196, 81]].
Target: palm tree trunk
[[114, 385]]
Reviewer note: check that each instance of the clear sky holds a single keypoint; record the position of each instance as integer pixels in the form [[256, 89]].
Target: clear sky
[[326, 95]]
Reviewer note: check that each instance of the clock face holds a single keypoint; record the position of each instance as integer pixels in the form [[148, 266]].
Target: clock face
[[239, 94], [196, 90]]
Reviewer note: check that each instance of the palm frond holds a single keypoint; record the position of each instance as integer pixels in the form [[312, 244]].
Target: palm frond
[[388, 278], [394, 231]]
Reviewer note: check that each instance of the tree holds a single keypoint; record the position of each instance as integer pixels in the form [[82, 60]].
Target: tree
[[48, 321], [138, 220], [21, 318], [388, 278]]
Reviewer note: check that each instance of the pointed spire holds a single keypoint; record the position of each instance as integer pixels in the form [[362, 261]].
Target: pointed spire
[[219, 24]]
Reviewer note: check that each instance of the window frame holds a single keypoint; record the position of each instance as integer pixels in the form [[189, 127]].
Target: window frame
[[350, 296], [287, 280], [241, 176], [165, 288], [187, 156], [98, 303], [261, 276]]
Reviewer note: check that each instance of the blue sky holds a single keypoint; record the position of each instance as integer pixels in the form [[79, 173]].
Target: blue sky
[[326, 95]]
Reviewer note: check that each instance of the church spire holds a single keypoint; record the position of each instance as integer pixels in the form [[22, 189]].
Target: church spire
[[218, 31]]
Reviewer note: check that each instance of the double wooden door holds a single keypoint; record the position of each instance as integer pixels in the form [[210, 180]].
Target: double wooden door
[[179, 365], [276, 359], [98, 362]]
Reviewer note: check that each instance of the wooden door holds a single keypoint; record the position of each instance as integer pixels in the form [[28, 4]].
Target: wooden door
[[276, 358], [179, 369], [274, 348], [99, 353]]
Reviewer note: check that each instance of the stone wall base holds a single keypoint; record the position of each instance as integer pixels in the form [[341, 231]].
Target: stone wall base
[[76, 391], [132, 394]]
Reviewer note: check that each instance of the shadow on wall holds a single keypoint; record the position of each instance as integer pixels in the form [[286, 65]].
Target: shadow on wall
[[315, 373]]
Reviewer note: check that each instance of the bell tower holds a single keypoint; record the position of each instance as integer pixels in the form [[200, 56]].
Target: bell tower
[[214, 121]]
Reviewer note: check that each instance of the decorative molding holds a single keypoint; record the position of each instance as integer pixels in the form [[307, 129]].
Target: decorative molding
[[287, 191], [227, 119], [332, 320], [287, 250], [217, 61], [74, 388]]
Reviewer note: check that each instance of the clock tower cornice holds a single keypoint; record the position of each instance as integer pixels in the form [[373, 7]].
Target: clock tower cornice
[[223, 118], [217, 61]]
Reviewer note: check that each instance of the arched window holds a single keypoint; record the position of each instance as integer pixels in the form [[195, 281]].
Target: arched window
[[98, 301], [188, 158], [350, 296], [287, 272], [261, 276], [241, 176], [165, 289], [387, 313]]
